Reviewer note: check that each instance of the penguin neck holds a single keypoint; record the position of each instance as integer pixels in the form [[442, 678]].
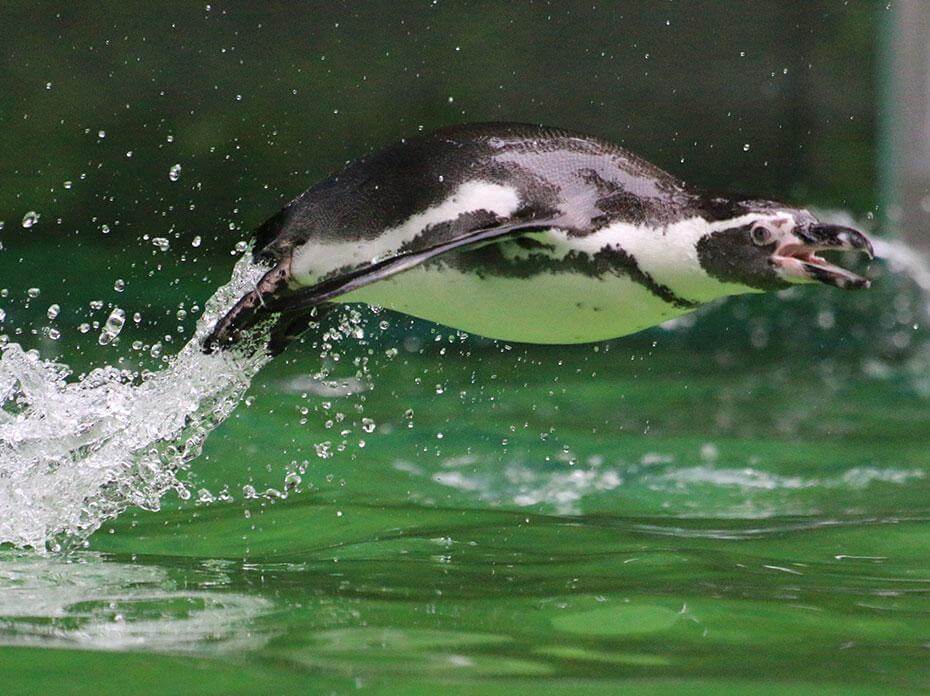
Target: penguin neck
[[669, 253]]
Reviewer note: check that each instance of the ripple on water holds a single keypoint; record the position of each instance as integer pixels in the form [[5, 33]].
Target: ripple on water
[[90, 603]]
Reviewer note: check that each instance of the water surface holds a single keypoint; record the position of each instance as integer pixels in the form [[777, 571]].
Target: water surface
[[507, 518]]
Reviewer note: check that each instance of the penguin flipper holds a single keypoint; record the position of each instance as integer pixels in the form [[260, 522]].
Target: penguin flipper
[[345, 283], [273, 296]]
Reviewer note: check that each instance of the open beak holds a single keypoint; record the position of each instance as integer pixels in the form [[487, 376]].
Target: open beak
[[798, 262]]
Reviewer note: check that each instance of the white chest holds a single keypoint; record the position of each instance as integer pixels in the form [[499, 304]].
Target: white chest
[[548, 308]]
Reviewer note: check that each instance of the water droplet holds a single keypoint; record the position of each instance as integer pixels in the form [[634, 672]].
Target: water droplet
[[54, 334], [119, 285], [175, 172], [53, 311], [368, 425], [745, 147], [30, 219], [33, 292], [101, 134], [161, 243], [113, 326], [241, 246], [105, 229], [68, 184]]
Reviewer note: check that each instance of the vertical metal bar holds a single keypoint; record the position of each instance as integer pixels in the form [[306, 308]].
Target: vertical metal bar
[[905, 152]]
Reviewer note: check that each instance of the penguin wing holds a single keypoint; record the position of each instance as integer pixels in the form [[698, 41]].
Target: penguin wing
[[271, 295]]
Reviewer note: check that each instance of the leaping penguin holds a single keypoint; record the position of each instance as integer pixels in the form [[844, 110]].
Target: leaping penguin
[[528, 234]]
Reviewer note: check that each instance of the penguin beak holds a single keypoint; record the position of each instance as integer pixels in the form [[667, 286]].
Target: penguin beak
[[798, 262]]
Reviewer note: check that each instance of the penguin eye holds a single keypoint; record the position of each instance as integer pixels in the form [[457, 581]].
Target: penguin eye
[[760, 235]]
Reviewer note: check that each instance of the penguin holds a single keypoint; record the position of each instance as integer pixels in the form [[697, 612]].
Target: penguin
[[524, 233]]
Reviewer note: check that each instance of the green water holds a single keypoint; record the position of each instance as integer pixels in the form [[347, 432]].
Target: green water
[[741, 508], [541, 520]]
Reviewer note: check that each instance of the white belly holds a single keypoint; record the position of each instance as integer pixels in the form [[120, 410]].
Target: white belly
[[549, 308]]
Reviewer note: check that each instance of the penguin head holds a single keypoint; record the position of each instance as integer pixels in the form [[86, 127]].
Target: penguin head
[[769, 246]]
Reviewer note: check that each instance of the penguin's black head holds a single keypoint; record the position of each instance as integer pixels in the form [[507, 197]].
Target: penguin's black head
[[768, 246]]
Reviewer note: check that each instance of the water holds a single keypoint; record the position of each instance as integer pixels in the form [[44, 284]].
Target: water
[[76, 452], [746, 517], [82, 601]]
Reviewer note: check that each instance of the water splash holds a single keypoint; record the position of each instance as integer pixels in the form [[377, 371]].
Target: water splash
[[74, 454], [908, 261]]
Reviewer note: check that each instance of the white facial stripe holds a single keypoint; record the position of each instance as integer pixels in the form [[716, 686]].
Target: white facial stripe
[[316, 259], [669, 254]]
